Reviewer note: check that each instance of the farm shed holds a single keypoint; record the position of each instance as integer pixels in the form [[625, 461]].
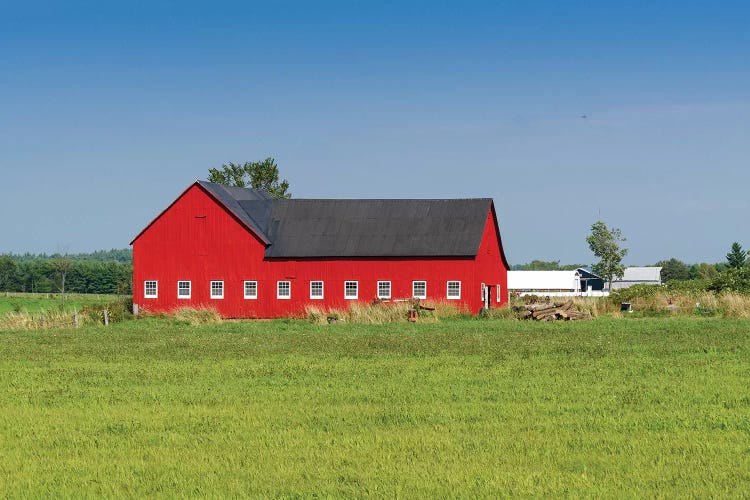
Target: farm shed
[[555, 283], [250, 256], [638, 276]]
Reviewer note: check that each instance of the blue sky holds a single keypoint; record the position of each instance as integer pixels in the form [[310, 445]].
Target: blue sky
[[563, 112]]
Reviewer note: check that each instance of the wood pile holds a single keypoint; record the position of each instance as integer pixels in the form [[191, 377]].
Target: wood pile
[[552, 312]]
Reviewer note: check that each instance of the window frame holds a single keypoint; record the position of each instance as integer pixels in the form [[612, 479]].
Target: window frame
[[211, 290], [390, 290], [356, 290], [448, 290], [289, 288], [414, 295], [244, 290], [498, 293], [145, 289], [322, 290], [189, 289]]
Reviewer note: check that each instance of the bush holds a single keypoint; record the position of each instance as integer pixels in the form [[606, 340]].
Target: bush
[[732, 280]]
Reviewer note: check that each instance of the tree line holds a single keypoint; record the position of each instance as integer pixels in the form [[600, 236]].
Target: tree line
[[672, 269], [104, 271]]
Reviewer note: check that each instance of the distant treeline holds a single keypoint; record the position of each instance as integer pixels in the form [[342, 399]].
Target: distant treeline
[[672, 269], [114, 255], [105, 271]]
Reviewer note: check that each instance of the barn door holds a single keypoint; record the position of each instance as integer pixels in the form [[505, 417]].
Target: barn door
[[486, 294]]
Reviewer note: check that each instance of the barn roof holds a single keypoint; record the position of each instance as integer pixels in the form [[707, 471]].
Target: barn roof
[[358, 228], [650, 273]]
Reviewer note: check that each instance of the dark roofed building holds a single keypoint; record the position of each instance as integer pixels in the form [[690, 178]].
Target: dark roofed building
[[248, 255]]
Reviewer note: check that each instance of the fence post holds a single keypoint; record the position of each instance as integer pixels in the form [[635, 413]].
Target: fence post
[[106, 317], [75, 318]]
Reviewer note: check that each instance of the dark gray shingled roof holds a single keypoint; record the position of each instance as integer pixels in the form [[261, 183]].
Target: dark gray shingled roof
[[359, 228]]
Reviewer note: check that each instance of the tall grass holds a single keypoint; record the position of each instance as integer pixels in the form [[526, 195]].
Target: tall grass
[[92, 313], [661, 302], [382, 313], [196, 316]]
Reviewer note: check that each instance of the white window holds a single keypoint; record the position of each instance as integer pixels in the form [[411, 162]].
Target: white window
[[498, 296], [217, 289], [150, 289], [183, 289], [251, 289], [283, 289], [419, 289], [454, 290], [351, 289], [384, 289], [316, 289]]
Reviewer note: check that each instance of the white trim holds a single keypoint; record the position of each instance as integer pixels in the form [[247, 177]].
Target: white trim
[[322, 290], [189, 289], [390, 290], [425, 289], [155, 295], [244, 290], [498, 294], [448, 290], [356, 290], [211, 289], [284, 297]]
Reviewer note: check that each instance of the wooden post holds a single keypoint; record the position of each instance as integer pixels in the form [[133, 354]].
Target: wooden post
[[106, 317], [135, 309], [75, 319]]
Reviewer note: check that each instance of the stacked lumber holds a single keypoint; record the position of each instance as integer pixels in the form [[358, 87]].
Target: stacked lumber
[[552, 312]]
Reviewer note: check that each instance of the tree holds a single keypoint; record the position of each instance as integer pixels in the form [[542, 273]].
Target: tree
[[257, 175], [8, 273], [61, 266], [673, 270], [541, 265], [605, 244], [737, 257]]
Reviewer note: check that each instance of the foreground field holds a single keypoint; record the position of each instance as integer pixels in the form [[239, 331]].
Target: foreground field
[[651, 407]]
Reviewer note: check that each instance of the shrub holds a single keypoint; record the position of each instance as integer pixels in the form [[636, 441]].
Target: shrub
[[732, 280]]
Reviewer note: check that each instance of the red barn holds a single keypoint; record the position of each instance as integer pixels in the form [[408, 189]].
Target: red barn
[[250, 256]]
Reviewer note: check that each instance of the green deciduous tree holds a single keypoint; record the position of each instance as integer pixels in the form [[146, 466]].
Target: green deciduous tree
[[736, 257], [257, 175], [605, 244], [673, 270]]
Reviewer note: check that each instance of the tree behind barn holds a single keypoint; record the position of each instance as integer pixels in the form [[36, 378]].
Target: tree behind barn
[[605, 244], [256, 175]]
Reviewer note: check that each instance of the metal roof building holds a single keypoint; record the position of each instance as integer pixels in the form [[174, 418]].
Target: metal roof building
[[650, 275]]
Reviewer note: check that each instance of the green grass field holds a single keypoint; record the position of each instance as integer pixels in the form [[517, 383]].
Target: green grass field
[[467, 408], [37, 302]]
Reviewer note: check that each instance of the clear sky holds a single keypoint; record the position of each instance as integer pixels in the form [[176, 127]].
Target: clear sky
[[637, 113]]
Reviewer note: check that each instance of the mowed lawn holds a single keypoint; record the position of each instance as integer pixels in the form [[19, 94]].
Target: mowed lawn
[[466, 408]]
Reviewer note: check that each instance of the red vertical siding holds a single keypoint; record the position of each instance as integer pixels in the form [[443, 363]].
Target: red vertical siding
[[198, 240]]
